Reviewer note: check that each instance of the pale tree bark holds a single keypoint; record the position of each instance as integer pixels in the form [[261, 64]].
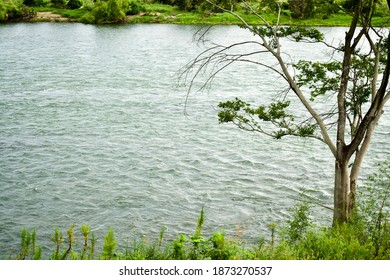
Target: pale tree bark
[[341, 178]]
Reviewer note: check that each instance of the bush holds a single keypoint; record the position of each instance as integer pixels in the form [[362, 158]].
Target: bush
[[87, 18], [75, 4], [184, 5], [34, 3], [134, 8], [301, 9], [109, 11], [10, 11], [58, 3], [299, 224], [3, 11], [204, 6], [324, 9]]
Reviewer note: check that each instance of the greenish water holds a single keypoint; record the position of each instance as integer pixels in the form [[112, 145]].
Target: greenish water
[[92, 130]]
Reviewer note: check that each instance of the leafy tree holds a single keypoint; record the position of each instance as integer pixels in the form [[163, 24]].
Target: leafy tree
[[354, 83]]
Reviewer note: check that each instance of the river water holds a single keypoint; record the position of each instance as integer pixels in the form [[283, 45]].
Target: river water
[[93, 131]]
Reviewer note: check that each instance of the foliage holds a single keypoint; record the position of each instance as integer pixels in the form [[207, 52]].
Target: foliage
[[229, 5], [74, 4], [272, 120], [299, 224], [59, 3], [301, 9], [112, 11], [11, 10], [272, 5], [374, 207], [134, 7], [29, 249], [34, 3], [109, 245], [184, 5], [106, 11]]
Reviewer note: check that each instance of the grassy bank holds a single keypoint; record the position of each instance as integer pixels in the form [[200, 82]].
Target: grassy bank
[[161, 13]]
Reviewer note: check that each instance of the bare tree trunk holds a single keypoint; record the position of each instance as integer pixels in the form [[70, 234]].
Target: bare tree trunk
[[342, 179]]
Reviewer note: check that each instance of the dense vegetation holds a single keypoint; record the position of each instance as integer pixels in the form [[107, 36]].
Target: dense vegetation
[[302, 12], [367, 236]]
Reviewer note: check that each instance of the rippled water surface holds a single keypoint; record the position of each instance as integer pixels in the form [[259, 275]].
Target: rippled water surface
[[92, 130]]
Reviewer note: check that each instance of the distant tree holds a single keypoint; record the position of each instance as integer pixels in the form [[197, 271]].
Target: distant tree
[[356, 76]]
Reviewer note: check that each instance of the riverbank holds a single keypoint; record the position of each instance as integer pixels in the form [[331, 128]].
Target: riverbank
[[166, 14]]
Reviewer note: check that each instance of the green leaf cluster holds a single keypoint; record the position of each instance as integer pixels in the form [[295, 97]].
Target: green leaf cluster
[[280, 123], [296, 33]]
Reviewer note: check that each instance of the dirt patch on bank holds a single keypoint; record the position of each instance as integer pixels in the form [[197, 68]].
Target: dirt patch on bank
[[49, 16]]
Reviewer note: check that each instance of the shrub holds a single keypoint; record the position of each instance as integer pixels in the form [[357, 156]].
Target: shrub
[[34, 3], [324, 9], [110, 11], [184, 5], [134, 8], [109, 246], [3, 11], [75, 4], [300, 222], [29, 249], [10, 10], [87, 18], [204, 6], [301, 9], [58, 3]]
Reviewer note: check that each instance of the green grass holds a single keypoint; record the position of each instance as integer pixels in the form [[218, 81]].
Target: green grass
[[160, 13], [72, 14]]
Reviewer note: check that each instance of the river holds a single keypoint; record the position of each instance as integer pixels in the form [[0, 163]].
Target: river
[[93, 131]]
